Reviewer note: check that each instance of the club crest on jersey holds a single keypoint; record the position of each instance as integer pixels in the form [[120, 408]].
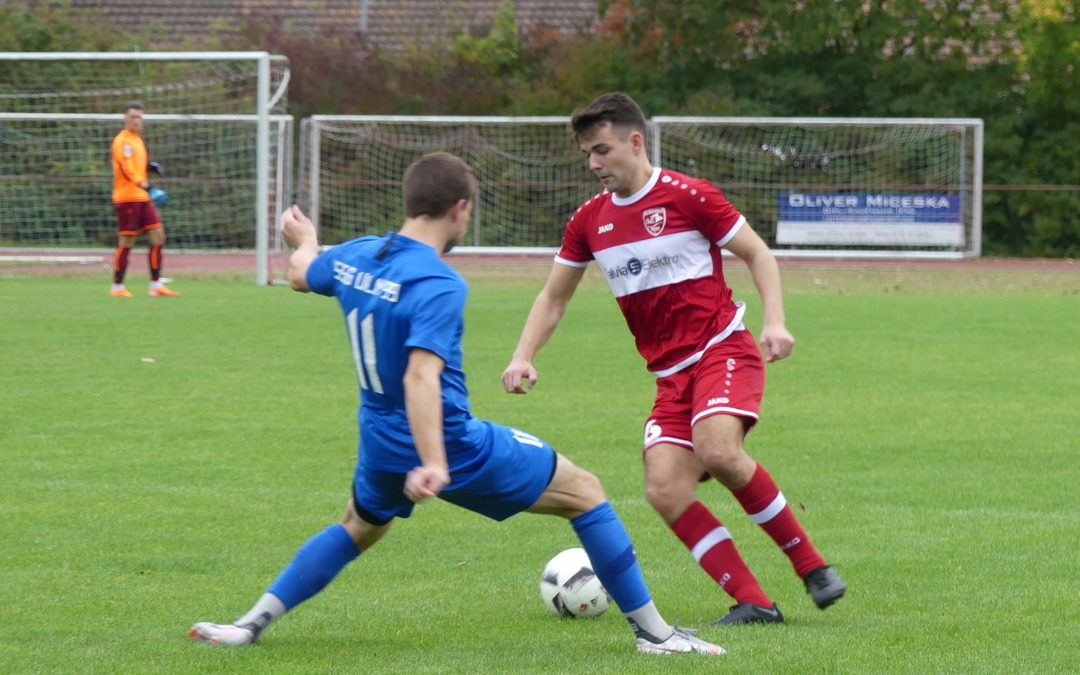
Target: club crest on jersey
[[654, 220]]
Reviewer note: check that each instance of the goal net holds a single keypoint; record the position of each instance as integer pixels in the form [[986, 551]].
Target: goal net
[[858, 188], [836, 187], [214, 121], [531, 175]]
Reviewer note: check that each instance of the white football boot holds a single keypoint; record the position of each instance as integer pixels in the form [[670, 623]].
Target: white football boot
[[221, 634], [682, 641]]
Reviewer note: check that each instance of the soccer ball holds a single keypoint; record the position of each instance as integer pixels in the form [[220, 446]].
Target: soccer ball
[[570, 588]]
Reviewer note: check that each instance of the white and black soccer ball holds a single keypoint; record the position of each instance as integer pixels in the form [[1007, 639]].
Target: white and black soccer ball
[[570, 588]]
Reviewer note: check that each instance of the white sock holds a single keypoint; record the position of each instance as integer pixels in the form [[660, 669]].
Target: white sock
[[154, 285], [648, 620], [117, 287], [266, 611]]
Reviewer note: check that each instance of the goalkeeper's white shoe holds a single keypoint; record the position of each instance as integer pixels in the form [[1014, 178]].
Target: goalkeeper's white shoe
[[682, 641], [221, 634]]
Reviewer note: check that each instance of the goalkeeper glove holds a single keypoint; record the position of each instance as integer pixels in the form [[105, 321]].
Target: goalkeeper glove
[[154, 167], [159, 196]]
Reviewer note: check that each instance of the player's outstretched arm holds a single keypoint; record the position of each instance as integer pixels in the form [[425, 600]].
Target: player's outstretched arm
[[300, 234], [423, 406], [546, 312], [776, 341]]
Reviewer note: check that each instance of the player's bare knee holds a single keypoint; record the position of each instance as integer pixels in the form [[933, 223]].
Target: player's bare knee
[[571, 479], [667, 500], [363, 533], [657, 495], [572, 491], [719, 457], [728, 464], [583, 492], [588, 487]]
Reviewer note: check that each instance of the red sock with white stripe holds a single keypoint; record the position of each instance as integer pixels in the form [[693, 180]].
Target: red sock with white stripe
[[766, 506], [714, 550]]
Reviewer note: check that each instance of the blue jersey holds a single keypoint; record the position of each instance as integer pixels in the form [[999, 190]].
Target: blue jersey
[[396, 295]]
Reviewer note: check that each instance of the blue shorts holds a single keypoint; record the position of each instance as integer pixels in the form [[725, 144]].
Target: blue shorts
[[505, 475]]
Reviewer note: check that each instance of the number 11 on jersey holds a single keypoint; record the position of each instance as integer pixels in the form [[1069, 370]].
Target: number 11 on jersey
[[364, 351]]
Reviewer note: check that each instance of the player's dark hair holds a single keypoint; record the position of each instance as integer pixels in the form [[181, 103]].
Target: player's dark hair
[[622, 111], [435, 182], [134, 105]]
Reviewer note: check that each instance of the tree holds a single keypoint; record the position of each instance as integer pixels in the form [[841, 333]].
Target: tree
[[1034, 143], [52, 26], [1005, 61]]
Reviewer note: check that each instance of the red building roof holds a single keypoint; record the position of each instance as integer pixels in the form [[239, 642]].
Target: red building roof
[[390, 24]]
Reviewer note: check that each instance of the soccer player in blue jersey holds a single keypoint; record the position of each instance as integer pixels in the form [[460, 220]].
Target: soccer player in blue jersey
[[403, 309]]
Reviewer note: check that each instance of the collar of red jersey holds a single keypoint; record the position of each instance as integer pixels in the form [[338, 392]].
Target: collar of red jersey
[[627, 201]]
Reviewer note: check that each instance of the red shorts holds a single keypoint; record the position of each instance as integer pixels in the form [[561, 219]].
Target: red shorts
[[136, 217], [728, 380]]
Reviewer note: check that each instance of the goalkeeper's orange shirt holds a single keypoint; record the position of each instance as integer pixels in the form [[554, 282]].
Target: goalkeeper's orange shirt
[[129, 168]]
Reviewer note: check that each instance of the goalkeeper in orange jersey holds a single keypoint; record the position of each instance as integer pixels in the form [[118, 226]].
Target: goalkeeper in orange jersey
[[134, 209]]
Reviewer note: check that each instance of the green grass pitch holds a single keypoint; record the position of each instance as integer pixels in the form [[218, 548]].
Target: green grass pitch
[[162, 459]]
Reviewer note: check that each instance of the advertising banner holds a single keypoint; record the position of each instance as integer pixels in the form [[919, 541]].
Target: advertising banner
[[870, 219]]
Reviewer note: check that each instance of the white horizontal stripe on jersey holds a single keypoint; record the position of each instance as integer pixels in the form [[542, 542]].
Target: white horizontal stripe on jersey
[[659, 261], [769, 512], [570, 263], [708, 541], [733, 325]]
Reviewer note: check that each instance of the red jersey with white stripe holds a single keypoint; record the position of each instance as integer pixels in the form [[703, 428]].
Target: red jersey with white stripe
[[660, 251]]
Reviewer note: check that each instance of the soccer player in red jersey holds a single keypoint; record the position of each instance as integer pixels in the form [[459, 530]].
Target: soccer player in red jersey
[[134, 211], [657, 235]]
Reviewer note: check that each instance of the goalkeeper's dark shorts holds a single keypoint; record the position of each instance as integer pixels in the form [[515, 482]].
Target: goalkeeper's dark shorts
[[136, 217]]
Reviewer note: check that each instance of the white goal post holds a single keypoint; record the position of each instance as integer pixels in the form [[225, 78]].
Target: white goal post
[[213, 120], [813, 187]]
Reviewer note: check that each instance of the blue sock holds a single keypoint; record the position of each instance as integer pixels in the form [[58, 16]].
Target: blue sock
[[605, 540], [316, 564]]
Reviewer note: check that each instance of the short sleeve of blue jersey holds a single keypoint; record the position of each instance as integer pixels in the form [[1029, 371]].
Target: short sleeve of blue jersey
[[437, 322], [320, 274]]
